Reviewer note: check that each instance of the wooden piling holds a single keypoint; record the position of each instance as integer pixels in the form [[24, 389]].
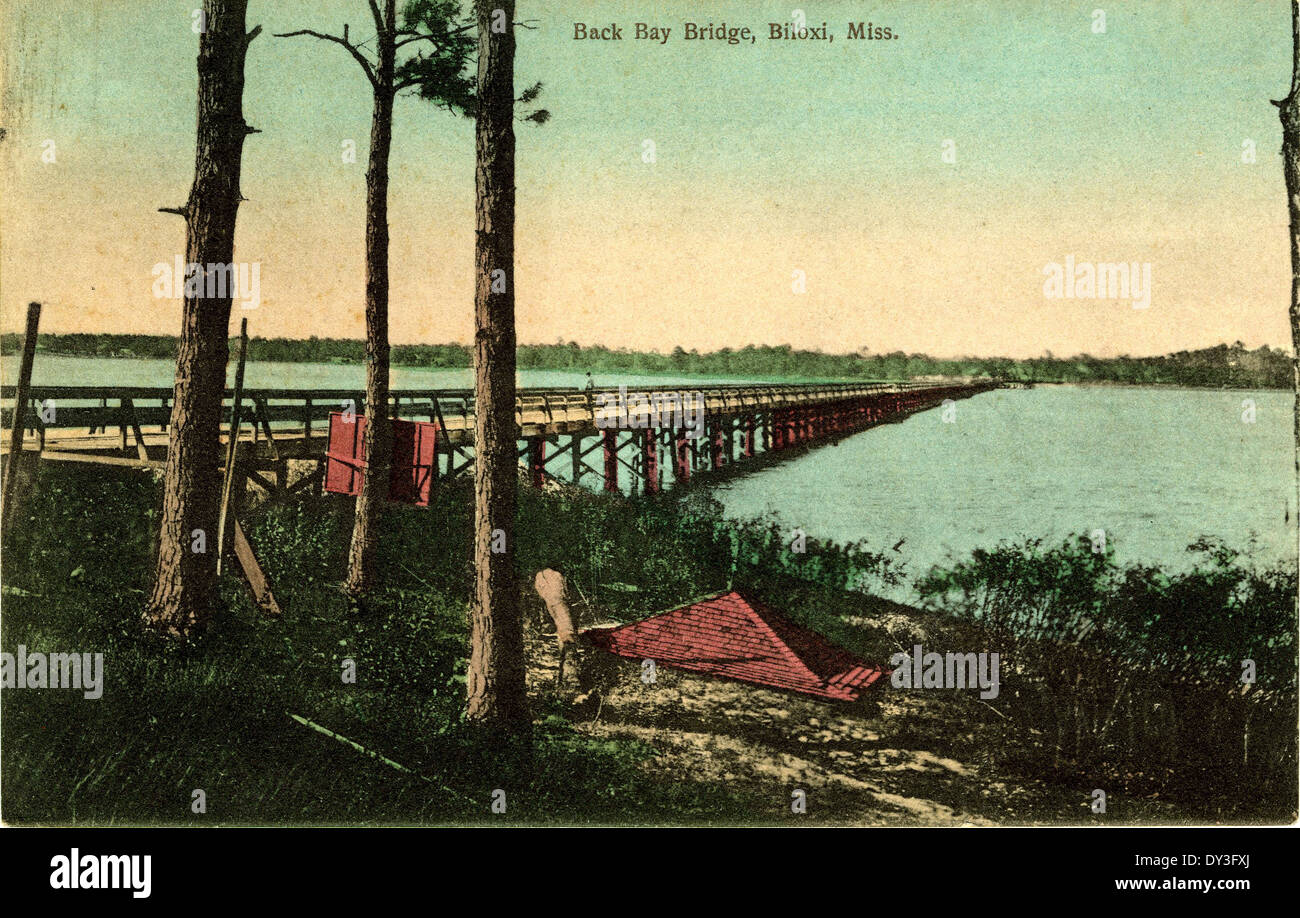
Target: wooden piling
[[20, 412], [233, 446]]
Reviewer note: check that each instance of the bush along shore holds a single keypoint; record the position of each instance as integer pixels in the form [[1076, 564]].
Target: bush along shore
[[1173, 693], [1223, 366]]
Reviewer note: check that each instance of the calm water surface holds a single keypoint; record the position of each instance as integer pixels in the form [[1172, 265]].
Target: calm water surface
[[95, 371], [1154, 468]]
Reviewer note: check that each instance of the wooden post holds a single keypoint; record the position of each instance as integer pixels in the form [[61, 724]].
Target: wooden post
[[20, 411], [233, 445], [128, 408], [537, 460], [610, 438], [253, 574]]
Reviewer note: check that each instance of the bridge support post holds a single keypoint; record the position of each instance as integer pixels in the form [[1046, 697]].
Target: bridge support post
[[681, 456], [747, 437], [610, 438], [537, 460], [575, 456], [650, 459], [717, 438]]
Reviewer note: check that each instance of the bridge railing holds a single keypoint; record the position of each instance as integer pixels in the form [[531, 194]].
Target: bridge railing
[[98, 408]]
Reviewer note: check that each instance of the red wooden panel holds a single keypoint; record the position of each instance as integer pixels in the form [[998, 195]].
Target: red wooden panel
[[415, 446], [345, 454], [410, 477]]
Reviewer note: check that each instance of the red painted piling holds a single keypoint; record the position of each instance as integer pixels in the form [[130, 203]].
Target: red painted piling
[[681, 456], [650, 448], [537, 460], [609, 438]]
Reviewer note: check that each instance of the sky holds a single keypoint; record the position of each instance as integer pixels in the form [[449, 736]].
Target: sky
[[770, 159]]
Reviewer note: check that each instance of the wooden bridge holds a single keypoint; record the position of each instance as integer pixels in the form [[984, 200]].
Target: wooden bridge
[[650, 433]]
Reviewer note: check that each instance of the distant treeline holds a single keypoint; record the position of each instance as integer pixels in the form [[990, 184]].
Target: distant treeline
[[1222, 366]]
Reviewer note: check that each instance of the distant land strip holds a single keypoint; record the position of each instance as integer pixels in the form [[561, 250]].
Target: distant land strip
[[1222, 367]]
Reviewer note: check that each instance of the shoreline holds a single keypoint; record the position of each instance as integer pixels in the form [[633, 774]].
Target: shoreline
[[686, 374]]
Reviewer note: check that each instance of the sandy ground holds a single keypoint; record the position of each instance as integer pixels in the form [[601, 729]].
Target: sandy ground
[[895, 757]]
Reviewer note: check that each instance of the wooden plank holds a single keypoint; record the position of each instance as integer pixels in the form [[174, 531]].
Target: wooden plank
[[266, 427], [265, 483], [307, 481], [60, 455], [442, 423], [253, 573], [140, 449]]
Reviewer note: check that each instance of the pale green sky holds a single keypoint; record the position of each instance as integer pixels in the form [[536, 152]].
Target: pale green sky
[[770, 158]]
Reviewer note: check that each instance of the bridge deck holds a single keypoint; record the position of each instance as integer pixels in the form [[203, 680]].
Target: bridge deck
[[292, 423]]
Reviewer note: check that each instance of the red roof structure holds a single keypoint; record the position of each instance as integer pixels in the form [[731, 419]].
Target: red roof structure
[[737, 637]]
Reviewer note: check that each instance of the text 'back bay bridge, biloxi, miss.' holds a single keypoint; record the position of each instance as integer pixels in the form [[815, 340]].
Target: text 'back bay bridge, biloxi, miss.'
[[600, 433]]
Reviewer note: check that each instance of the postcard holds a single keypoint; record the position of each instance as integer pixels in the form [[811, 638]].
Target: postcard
[[565, 413]]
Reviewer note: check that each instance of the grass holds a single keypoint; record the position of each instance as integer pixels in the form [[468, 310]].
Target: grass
[[215, 715]]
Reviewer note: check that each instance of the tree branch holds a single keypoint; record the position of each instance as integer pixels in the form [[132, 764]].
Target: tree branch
[[248, 39], [352, 49], [379, 18], [414, 36], [413, 39], [178, 211]]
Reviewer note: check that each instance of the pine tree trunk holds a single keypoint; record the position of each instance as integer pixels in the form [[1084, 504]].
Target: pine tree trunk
[[185, 585], [1289, 109], [496, 666], [379, 429]]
